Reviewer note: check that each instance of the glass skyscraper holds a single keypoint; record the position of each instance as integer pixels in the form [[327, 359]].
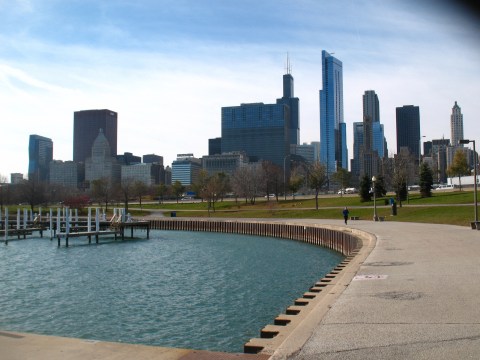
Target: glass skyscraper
[[262, 131], [408, 129], [40, 154], [333, 137]]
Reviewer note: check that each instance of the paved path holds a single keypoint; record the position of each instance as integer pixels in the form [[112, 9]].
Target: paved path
[[425, 303]]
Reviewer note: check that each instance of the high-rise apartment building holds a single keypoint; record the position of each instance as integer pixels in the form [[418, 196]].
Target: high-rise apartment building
[[333, 137], [40, 154], [456, 125], [408, 129], [86, 125]]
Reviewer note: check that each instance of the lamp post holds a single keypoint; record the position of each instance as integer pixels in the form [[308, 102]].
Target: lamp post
[[285, 177], [1, 198], [375, 217], [465, 141]]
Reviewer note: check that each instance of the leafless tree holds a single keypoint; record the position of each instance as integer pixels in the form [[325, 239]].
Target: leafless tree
[[272, 178], [247, 182], [317, 178], [103, 191]]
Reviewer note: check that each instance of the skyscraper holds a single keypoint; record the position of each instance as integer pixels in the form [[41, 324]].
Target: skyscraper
[[86, 126], [408, 129], [333, 137], [456, 125], [40, 154], [260, 130], [371, 107], [293, 105]]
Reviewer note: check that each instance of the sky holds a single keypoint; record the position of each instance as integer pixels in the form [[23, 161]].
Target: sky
[[168, 66]]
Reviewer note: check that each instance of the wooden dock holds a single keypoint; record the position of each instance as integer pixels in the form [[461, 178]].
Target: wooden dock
[[116, 229]]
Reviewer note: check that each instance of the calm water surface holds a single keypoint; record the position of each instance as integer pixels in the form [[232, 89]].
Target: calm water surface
[[179, 289]]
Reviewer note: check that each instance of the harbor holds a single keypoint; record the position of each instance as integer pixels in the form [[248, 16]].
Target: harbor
[[66, 223]]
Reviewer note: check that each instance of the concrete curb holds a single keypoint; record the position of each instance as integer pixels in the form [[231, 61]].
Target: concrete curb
[[291, 330]]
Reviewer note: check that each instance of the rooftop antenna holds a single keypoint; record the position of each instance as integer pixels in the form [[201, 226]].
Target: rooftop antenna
[[288, 67]]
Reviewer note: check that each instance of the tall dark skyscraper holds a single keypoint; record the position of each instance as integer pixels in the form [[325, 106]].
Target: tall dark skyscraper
[[260, 130], [408, 129], [371, 106], [40, 154], [333, 131], [86, 126], [293, 105]]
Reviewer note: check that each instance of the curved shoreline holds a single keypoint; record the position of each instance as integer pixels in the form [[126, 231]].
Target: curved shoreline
[[292, 329]]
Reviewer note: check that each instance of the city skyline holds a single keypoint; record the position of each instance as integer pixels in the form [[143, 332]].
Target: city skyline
[[168, 70]]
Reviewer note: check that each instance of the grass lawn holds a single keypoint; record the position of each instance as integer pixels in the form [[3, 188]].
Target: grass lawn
[[454, 208]]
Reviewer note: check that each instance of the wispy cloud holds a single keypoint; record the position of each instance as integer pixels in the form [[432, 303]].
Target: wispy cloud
[[168, 67]]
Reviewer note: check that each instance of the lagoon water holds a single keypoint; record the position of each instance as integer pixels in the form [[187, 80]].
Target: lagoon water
[[179, 289]]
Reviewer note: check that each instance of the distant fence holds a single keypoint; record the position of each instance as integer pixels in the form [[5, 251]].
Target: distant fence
[[334, 239]]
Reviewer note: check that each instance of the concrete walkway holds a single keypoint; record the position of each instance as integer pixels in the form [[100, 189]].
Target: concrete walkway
[[420, 300], [416, 295]]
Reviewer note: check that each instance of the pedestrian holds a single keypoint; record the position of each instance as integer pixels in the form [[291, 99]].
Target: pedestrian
[[345, 214]]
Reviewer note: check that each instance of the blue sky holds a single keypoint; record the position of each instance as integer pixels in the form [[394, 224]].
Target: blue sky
[[167, 67]]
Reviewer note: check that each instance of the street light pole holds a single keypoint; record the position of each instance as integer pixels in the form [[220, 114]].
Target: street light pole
[[285, 177], [375, 217], [475, 160]]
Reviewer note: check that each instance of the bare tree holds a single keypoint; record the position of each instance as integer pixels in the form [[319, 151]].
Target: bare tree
[[212, 190], [126, 188], [160, 190], [33, 193], [140, 189], [296, 181], [317, 178], [403, 173], [272, 178], [102, 190], [240, 182], [199, 186], [342, 177], [247, 182], [178, 189]]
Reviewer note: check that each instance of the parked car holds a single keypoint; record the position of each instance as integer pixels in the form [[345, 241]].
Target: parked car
[[445, 187], [347, 191]]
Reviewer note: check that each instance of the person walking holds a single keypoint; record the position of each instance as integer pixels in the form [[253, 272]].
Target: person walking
[[345, 214]]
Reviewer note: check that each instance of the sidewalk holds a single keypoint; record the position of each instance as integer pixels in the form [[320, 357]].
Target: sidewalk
[[422, 300]]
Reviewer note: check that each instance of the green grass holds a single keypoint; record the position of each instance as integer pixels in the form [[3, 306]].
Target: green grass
[[454, 208], [441, 208]]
